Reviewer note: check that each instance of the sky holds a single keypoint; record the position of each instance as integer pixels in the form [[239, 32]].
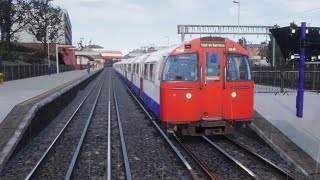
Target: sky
[[130, 24]]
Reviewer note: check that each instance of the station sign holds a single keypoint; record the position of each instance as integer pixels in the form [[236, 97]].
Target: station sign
[[212, 45]]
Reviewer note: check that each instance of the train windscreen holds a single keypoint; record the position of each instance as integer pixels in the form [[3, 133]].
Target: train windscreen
[[182, 67], [238, 68]]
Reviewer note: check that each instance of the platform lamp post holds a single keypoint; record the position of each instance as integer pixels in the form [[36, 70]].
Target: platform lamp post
[[300, 95], [49, 64], [238, 2], [48, 45]]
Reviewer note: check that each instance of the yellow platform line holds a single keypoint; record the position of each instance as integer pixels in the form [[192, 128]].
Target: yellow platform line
[[24, 103]]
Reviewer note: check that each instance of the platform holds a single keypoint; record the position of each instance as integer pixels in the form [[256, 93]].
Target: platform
[[22, 90], [298, 139], [28, 105]]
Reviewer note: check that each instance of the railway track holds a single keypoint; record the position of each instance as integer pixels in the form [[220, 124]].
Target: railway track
[[55, 161], [180, 156]]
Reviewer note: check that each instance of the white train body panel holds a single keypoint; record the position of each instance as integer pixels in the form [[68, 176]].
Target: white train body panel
[[147, 68]]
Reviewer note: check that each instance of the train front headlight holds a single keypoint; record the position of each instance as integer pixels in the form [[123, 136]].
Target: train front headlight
[[234, 95]]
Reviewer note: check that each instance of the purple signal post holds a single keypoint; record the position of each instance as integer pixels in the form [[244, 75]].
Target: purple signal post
[[300, 95]]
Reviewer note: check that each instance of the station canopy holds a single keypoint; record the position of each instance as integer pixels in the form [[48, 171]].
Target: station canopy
[[288, 39], [108, 54]]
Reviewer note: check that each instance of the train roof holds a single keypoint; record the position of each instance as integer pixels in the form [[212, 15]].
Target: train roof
[[227, 44]]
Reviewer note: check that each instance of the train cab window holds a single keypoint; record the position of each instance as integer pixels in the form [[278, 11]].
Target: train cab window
[[212, 66], [182, 67], [238, 68]]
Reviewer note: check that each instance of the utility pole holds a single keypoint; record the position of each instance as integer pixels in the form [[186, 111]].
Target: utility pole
[[238, 2]]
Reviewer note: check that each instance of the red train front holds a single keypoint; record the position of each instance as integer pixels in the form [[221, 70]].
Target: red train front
[[206, 87]]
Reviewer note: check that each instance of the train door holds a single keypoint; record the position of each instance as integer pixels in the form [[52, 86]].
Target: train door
[[132, 72], [212, 89], [238, 88]]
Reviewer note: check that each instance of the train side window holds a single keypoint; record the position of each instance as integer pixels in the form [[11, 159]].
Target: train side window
[[146, 71], [212, 66], [137, 68], [152, 72]]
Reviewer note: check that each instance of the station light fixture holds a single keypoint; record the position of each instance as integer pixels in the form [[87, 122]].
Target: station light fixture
[[292, 56], [318, 57]]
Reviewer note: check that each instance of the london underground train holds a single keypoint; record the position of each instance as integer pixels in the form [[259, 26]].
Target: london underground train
[[200, 87]]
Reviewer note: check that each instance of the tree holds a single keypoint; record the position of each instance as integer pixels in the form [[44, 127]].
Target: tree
[[12, 12], [18, 20], [243, 42], [6, 23], [44, 21]]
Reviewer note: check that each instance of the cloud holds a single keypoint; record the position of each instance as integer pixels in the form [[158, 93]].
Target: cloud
[[299, 5], [234, 11], [112, 11]]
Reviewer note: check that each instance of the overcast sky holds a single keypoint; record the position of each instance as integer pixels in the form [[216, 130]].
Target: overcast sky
[[130, 24]]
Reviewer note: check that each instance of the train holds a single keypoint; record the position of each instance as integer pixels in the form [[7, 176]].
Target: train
[[200, 87]]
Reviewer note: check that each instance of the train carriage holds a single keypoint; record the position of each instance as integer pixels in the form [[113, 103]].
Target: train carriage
[[202, 86]]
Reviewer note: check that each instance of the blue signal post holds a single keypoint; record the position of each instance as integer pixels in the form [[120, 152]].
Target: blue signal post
[[300, 95]]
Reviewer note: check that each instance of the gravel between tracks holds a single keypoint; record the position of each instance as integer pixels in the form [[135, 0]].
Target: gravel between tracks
[[20, 165], [220, 166], [149, 156], [251, 140]]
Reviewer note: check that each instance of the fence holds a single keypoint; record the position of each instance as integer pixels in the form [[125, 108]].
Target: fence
[[14, 72], [273, 81]]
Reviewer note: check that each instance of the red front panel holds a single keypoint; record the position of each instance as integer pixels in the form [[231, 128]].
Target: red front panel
[[176, 103], [238, 100]]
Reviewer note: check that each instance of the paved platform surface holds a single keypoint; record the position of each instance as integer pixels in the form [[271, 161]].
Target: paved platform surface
[[20, 91], [277, 115]]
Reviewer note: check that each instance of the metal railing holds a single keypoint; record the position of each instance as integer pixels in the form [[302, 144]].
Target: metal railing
[[14, 72], [281, 81]]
